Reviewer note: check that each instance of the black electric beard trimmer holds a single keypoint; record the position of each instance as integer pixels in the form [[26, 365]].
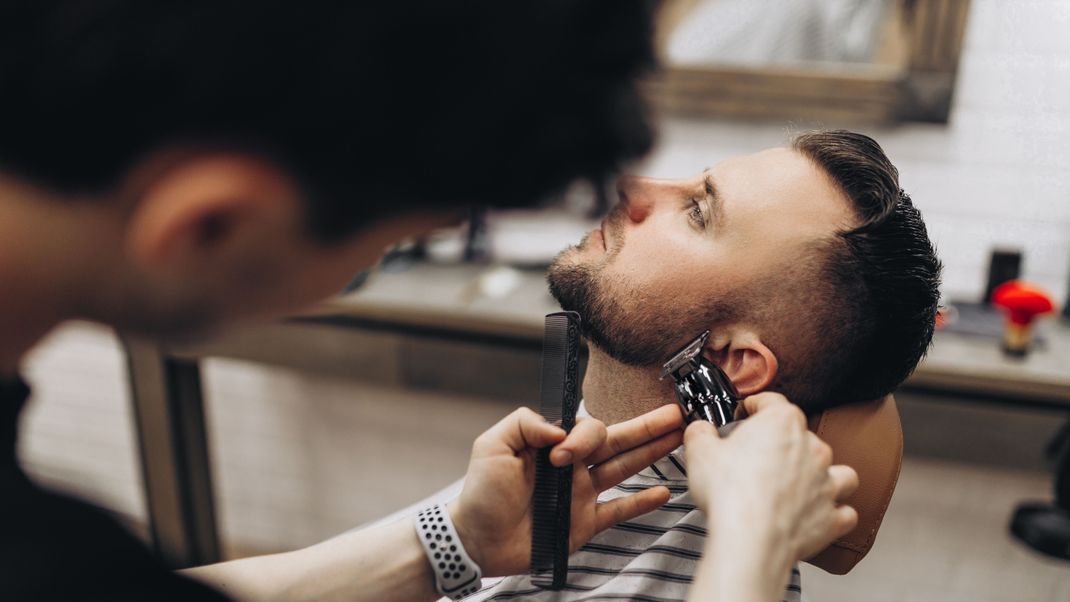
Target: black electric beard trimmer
[[704, 391]]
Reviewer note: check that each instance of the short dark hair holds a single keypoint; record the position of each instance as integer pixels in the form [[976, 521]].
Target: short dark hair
[[874, 310], [372, 105]]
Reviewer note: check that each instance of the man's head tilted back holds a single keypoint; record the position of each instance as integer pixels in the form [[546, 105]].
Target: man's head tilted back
[[196, 161], [809, 264]]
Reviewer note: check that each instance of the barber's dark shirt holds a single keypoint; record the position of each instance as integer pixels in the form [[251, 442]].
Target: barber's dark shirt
[[54, 547]]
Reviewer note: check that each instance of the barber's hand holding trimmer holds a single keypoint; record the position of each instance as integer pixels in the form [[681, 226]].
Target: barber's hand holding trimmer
[[769, 491], [771, 497]]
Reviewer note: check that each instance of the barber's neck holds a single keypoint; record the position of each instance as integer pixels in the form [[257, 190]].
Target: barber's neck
[[614, 392], [18, 337], [26, 314], [46, 261]]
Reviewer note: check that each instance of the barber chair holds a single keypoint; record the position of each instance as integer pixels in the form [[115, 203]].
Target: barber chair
[[1046, 527], [868, 437]]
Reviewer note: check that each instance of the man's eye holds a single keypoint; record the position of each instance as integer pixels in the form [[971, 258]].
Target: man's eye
[[695, 213]]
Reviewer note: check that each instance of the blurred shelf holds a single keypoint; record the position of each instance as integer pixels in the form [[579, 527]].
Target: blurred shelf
[[444, 302], [447, 297], [976, 365]]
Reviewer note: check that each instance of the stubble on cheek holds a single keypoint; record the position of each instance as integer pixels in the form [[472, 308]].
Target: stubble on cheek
[[635, 323]]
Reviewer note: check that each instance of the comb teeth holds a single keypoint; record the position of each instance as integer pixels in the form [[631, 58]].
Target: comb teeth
[[560, 369], [552, 500]]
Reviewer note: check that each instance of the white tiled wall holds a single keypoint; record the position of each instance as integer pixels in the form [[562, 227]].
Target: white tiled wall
[[77, 430], [301, 458], [292, 464]]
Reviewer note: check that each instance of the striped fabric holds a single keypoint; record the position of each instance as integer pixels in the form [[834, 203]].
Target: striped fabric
[[651, 558]]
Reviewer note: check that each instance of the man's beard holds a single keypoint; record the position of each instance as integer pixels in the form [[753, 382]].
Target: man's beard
[[633, 327]]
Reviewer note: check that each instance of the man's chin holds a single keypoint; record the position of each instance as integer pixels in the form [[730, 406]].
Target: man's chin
[[569, 280], [568, 257]]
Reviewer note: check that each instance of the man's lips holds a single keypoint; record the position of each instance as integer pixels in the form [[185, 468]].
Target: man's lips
[[602, 231]]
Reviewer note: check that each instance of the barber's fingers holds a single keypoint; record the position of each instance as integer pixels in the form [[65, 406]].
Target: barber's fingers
[[520, 430], [845, 519], [620, 467], [762, 401], [637, 431], [701, 439], [838, 522], [774, 402], [585, 438], [844, 481], [820, 450], [590, 440], [628, 507]]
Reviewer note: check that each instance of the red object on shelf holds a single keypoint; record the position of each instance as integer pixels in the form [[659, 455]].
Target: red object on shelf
[[1023, 301]]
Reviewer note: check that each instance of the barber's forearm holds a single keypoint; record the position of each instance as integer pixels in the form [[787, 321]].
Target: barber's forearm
[[742, 565], [384, 563]]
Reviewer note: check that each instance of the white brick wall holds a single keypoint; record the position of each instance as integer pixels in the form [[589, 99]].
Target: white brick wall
[[77, 430], [296, 455], [301, 458]]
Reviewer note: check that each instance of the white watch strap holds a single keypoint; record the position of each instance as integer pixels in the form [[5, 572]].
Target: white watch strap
[[456, 575]]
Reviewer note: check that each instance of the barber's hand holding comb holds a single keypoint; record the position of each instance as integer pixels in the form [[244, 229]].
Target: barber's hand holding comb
[[492, 515], [771, 497], [493, 512]]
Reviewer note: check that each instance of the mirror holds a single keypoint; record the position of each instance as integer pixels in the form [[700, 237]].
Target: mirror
[[837, 60]]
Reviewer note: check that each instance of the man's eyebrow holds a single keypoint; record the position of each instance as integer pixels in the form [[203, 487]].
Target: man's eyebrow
[[716, 203]]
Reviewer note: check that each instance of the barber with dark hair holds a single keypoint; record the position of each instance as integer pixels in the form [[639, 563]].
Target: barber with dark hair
[[167, 167]]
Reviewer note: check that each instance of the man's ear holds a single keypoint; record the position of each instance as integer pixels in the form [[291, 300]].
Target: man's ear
[[184, 214], [747, 361]]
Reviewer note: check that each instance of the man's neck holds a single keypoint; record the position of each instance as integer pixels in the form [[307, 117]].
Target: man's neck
[[614, 392]]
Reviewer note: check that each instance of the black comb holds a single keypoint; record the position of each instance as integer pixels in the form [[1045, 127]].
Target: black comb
[[552, 502]]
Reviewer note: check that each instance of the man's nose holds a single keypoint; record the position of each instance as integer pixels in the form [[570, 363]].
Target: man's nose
[[638, 196]]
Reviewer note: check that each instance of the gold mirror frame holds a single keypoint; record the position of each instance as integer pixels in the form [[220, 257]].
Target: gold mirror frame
[[914, 85]]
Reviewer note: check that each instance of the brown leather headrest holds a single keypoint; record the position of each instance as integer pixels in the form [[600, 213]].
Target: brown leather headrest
[[868, 437]]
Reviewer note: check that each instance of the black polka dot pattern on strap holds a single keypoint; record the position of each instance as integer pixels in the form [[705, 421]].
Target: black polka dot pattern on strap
[[456, 576]]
